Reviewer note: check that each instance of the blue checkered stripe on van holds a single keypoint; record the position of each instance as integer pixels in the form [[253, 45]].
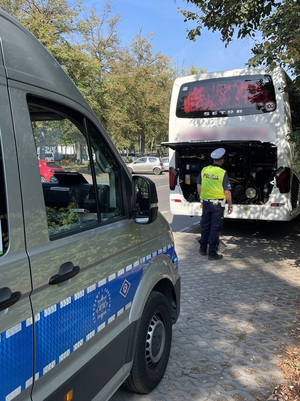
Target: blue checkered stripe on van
[[64, 327]]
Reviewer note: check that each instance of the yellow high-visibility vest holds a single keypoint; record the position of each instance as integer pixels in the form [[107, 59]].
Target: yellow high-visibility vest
[[212, 183]]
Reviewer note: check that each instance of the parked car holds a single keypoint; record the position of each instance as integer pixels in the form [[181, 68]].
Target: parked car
[[49, 156], [146, 164], [47, 169], [165, 161], [129, 157]]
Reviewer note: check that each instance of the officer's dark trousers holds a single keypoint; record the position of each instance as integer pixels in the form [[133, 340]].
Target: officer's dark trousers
[[211, 226]]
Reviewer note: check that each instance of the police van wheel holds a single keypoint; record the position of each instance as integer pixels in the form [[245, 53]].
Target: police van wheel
[[152, 346]]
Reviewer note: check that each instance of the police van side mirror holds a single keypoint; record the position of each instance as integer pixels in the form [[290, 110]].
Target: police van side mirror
[[145, 201]]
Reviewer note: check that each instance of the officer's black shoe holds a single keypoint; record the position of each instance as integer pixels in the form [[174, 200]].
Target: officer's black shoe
[[215, 256], [202, 252]]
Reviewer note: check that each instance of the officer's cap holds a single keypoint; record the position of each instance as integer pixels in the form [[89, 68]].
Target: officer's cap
[[218, 154]]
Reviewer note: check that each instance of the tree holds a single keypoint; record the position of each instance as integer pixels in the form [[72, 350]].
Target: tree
[[82, 43], [100, 42], [128, 88], [51, 21], [140, 87], [278, 22], [193, 70]]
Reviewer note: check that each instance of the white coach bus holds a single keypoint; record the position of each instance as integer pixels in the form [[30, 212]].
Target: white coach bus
[[247, 112]]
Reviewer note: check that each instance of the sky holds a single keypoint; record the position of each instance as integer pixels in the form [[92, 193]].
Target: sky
[[162, 20]]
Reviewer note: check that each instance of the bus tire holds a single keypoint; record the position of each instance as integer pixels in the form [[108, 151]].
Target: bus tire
[[153, 345]]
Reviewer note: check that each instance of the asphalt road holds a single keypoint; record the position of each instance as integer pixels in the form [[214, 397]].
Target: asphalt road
[[177, 223]]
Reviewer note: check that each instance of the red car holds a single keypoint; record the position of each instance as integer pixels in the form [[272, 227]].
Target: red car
[[47, 169]]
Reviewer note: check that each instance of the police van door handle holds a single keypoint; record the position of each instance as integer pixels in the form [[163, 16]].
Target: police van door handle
[[66, 272], [10, 298]]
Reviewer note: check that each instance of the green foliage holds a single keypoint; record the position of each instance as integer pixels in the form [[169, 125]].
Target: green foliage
[[193, 70], [278, 22], [58, 217], [294, 98], [281, 34], [51, 21], [100, 44], [140, 88], [128, 88]]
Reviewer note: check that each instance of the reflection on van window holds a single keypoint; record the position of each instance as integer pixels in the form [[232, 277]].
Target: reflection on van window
[[3, 212], [141, 195], [81, 182]]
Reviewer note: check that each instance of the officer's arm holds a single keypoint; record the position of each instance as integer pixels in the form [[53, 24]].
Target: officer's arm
[[229, 200], [199, 189]]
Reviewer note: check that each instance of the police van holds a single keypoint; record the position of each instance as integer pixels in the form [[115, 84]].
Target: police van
[[89, 283]]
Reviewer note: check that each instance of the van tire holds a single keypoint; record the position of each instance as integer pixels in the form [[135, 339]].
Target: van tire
[[153, 344]]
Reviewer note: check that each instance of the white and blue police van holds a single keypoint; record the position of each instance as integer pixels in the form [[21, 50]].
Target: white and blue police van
[[89, 282]]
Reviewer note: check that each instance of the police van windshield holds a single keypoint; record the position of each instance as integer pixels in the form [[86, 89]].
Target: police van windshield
[[226, 97]]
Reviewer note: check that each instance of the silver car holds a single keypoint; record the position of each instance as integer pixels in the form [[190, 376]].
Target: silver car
[[165, 161], [146, 164]]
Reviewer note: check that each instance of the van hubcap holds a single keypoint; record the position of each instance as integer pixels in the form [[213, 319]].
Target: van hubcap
[[155, 342]]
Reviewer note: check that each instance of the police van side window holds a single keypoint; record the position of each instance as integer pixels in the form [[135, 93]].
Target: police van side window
[[79, 174], [3, 212], [108, 177]]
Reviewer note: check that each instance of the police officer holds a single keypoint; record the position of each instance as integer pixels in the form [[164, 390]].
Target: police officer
[[214, 190]]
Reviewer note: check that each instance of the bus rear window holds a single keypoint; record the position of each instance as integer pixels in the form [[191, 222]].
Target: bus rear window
[[226, 97]]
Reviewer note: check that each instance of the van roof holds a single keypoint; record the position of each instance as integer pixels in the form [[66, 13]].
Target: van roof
[[23, 58]]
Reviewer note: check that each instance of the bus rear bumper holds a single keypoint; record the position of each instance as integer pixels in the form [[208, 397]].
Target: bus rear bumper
[[271, 211]]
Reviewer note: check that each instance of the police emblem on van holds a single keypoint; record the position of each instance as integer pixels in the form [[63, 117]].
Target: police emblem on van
[[102, 305]]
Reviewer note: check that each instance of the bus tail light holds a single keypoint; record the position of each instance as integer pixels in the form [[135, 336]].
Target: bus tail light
[[283, 179], [173, 175]]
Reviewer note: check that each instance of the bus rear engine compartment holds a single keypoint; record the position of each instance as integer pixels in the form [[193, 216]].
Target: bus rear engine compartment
[[251, 168]]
